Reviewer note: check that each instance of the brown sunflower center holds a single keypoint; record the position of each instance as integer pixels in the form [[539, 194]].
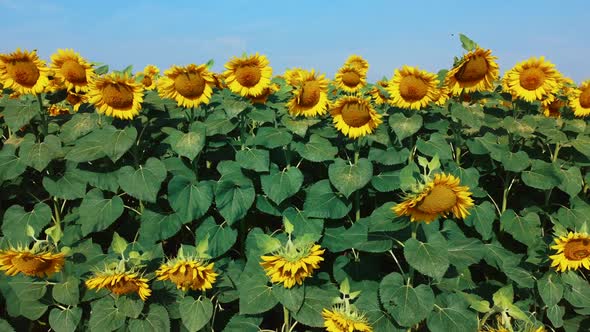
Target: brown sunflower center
[[73, 99], [355, 114], [412, 88], [30, 265], [190, 85], [473, 70], [73, 72], [147, 81], [441, 198], [124, 287], [118, 96], [248, 76], [556, 105], [351, 79], [532, 78], [23, 72], [585, 98], [310, 94], [577, 249]]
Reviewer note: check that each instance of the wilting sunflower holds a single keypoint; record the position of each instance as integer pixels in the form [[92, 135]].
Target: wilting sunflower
[[339, 319], [412, 88], [76, 100], [119, 283], [267, 92], [358, 62], [354, 116], [116, 95], [72, 69], [573, 252], [476, 71], [378, 97], [149, 77], [31, 262], [190, 86], [248, 76], [310, 96], [291, 264], [580, 100], [350, 79], [532, 79], [188, 273], [23, 72], [439, 197], [293, 76]]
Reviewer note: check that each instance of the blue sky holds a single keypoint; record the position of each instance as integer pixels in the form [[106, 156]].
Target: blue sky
[[309, 34]]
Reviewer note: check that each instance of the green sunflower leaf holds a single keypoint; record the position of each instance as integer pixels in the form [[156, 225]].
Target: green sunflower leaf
[[407, 304], [348, 178], [430, 258]]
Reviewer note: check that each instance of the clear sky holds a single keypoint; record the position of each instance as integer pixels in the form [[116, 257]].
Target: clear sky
[[302, 33]]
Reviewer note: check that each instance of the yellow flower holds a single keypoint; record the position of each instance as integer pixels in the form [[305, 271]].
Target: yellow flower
[[292, 264], [248, 76], [377, 95], [412, 88], [580, 100], [310, 96], [267, 92], [23, 72], [30, 262], [70, 68], [477, 71], [350, 79], [354, 116], [573, 252], [358, 62], [76, 100], [149, 77], [55, 110], [341, 320], [442, 96], [532, 79], [439, 197], [116, 95], [119, 283], [188, 273], [293, 76], [190, 86], [551, 106]]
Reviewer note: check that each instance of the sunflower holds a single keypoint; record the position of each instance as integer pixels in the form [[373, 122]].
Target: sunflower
[[476, 71], [358, 62], [310, 97], [188, 273], [248, 76], [443, 95], [339, 319], [76, 100], [532, 79], [120, 283], [190, 86], [116, 95], [354, 116], [378, 97], [267, 92], [291, 264], [551, 106], [31, 262], [70, 68], [23, 72], [437, 197], [293, 76], [580, 100], [219, 81], [55, 110], [573, 251], [55, 84], [350, 79], [412, 88], [149, 77]]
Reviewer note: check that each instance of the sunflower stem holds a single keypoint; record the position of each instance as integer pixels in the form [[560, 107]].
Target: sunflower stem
[[287, 319], [357, 194], [43, 115], [458, 155]]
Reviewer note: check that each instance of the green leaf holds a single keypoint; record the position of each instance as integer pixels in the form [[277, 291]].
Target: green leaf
[[97, 212], [18, 113], [550, 288], [272, 137], [190, 199], [65, 320], [404, 127], [280, 185], [105, 316], [26, 289], [451, 314], [304, 226], [38, 155], [254, 159], [5, 326], [11, 165], [240, 323], [156, 320], [70, 186], [219, 124], [16, 221], [187, 144], [255, 295], [233, 197], [482, 217], [118, 244], [118, 141], [89, 147], [430, 258], [436, 145], [515, 162], [316, 299], [465, 252], [466, 43], [526, 229], [195, 313], [339, 238], [322, 202], [128, 306], [67, 292], [386, 181], [318, 149], [582, 144], [407, 305], [298, 126], [221, 237], [155, 226], [389, 157], [572, 181], [577, 293], [143, 183], [348, 178], [233, 107], [79, 125], [555, 314], [542, 175], [291, 298]]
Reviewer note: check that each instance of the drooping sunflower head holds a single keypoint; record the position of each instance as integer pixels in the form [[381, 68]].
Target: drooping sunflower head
[[532, 79], [148, 77], [293, 76], [551, 106], [116, 95], [291, 264], [339, 319], [72, 69], [219, 81], [40, 262], [579, 100], [56, 110], [354, 116], [188, 273], [350, 79], [76, 100], [476, 71], [358, 62], [310, 96], [248, 76], [190, 86], [440, 196], [267, 92], [573, 252], [120, 282], [376, 92], [412, 88], [23, 72]]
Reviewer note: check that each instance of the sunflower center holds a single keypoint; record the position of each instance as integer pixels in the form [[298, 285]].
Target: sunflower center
[[23, 72], [585, 98], [532, 78], [73, 72], [248, 76], [355, 115], [555, 106], [30, 264], [578, 249], [124, 287], [146, 81], [118, 96], [73, 99], [412, 88], [310, 94], [473, 70], [190, 85], [441, 198], [351, 79]]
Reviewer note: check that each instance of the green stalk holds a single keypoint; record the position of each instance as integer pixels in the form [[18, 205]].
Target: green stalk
[[357, 194], [287, 319], [43, 115], [414, 226]]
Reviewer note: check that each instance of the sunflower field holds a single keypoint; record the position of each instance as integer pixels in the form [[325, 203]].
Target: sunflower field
[[250, 200]]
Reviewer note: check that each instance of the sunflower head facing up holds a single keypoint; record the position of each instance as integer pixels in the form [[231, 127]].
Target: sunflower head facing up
[[354, 116], [116, 95], [358, 62], [292, 263], [310, 96], [72, 69], [573, 252], [579, 100], [350, 79], [148, 77], [188, 273], [38, 261], [412, 88], [532, 80], [440, 196], [341, 319], [248, 76], [23, 72], [189, 86], [476, 71], [119, 282]]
